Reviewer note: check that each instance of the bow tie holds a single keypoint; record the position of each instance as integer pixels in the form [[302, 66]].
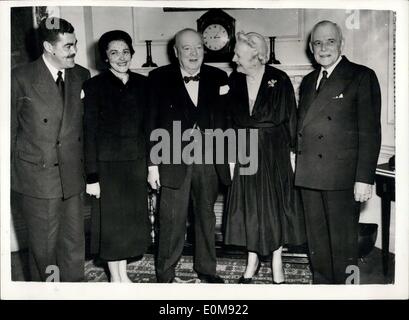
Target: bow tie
[[195, 78]]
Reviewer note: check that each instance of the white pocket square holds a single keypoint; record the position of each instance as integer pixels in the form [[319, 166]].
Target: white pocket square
[[224, 89], [82, 94], [341, 96]]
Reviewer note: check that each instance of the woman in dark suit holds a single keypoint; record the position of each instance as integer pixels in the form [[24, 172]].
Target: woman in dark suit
[[115, 153], [263, 209]]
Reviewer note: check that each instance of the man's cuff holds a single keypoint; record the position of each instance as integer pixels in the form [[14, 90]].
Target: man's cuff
[[92, 178]]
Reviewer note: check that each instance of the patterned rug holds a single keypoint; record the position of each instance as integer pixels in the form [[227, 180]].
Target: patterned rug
[[296, 270]]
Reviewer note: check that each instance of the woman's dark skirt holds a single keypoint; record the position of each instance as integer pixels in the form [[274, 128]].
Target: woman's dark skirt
[[120, 223], [264, 210]]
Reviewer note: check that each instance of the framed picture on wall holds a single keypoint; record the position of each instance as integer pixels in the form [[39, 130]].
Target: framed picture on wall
[[40, 13]]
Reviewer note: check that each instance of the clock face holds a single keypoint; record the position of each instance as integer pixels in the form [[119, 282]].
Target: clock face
[[215, 37]]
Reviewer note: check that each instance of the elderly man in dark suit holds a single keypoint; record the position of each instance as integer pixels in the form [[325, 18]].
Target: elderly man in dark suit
[[339, 137], [189, 94], [46, 154]]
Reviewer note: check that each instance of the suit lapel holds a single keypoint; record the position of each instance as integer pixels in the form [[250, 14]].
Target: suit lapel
[[72, 90], [309, 94], [46, 87], [182, 96], [205, 108], [335, 84], [203, 83]]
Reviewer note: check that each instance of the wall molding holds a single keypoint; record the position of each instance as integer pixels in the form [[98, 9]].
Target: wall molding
[[172, 21]]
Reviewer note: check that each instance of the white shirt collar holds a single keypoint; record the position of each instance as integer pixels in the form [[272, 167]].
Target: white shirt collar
[[330, 69], [53, 70], [192, 87], [186, 74]]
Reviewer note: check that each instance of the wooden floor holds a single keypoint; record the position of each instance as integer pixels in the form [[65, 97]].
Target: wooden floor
[[370, 267]]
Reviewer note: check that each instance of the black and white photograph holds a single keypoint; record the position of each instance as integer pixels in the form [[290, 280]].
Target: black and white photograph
[[204, 150]]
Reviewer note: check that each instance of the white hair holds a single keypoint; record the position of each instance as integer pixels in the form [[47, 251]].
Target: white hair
[[255, 41], [326, 22]]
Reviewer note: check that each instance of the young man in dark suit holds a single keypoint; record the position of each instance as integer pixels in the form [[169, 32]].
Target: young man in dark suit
[[339, 138], [188, 94], [47, 154]]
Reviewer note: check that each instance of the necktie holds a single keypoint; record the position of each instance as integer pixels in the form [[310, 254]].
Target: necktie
[[60, 84], [323, 80], [195, 78]]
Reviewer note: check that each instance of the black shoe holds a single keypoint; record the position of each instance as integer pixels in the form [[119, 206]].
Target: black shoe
[[243, 280], [169, 280], [209, 278]]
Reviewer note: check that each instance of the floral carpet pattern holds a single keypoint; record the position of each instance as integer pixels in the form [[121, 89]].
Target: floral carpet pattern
[[296, 270]]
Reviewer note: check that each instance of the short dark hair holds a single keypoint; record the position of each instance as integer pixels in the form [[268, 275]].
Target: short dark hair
[[50, 28], [114, 35]]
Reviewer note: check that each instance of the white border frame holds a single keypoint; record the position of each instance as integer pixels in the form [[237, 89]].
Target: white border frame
[[399, 290]]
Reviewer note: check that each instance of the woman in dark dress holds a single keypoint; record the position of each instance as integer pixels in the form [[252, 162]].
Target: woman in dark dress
[[115, 155], [263, 210]]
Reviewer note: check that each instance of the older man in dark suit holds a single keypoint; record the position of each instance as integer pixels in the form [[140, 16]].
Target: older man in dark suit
[[189, 95], [46, 154], [339, 137]]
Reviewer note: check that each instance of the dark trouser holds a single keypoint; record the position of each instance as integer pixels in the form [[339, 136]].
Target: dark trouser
[[332, 222], [55, 237], [201, 183]]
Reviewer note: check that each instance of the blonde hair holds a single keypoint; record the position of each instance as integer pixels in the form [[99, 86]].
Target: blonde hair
[[255, 41]]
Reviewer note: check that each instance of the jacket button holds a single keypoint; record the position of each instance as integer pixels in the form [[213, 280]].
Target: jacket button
[[329, 118], [59, 143], [299, 134], [320, 136], [45, 120], [320, 155]]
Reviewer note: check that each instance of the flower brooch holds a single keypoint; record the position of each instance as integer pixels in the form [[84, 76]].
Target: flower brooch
[[271, 83]]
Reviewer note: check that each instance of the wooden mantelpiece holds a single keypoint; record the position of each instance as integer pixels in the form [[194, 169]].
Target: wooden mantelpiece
[[291, 70]]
